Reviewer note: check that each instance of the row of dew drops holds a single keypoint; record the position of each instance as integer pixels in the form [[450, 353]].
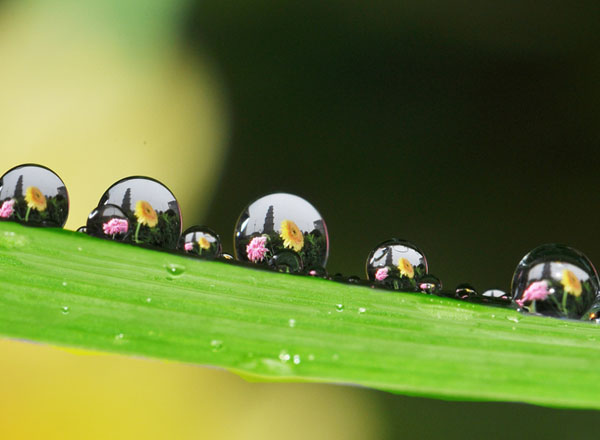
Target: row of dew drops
[[286, 233]]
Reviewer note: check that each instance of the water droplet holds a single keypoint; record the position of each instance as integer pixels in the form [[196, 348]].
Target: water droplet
[[513, 319], [151, 208], [64, 283], [494, 293], [361, 310], [216, 345], [396, 264], [353, 279], [79, 248], [493, 316], [555, 280], [311, 357], [119, 337], [296, 359], [109, 222], [201, 241], [148, 300], [82, 229], [65, 310], [292, 323], [339, 307], [175, 270], [35, 195], [284, 356], [429, 284], [277, 222], [287, 262], [465, 291], [225, 256]]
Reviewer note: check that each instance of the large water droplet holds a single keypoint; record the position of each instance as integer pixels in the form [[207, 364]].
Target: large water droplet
[[396, 264], [201, 241], [110, 222], [35, 195], [278, 222], [429, 284], [555, 280], [152, 210]]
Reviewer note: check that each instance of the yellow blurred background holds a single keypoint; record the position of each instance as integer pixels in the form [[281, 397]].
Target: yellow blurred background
[[97, 97]]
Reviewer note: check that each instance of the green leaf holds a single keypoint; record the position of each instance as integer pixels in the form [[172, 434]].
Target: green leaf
[[65, 288]]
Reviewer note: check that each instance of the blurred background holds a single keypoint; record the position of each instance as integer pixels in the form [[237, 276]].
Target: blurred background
[[468, 128]]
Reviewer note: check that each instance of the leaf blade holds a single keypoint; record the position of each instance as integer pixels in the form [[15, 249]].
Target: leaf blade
[[124, 299]]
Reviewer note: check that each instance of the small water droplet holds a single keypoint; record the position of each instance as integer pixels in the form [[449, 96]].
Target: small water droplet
[[395, 264], [512, 318], [119, 337], [494, 293], [79, 248], [311, 357], [65, 310], [64, 283], [201, 241], [284, 356], [339, 307], [296, 359], [361, 310], [175, 270], [430, 284], [148, 300], [493, 316], [465, 291], [292, 323], [216, 345]]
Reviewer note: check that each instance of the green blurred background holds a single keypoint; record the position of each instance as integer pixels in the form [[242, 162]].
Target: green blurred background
[[469, 128]]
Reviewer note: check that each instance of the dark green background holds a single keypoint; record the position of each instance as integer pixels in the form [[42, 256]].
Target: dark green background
[[468, 128]]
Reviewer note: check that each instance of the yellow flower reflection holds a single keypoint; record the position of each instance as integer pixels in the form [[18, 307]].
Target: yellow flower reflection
[[145, 213], [35, 199], [571, 283], [291, 235], [203, 243], [406, 269]]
